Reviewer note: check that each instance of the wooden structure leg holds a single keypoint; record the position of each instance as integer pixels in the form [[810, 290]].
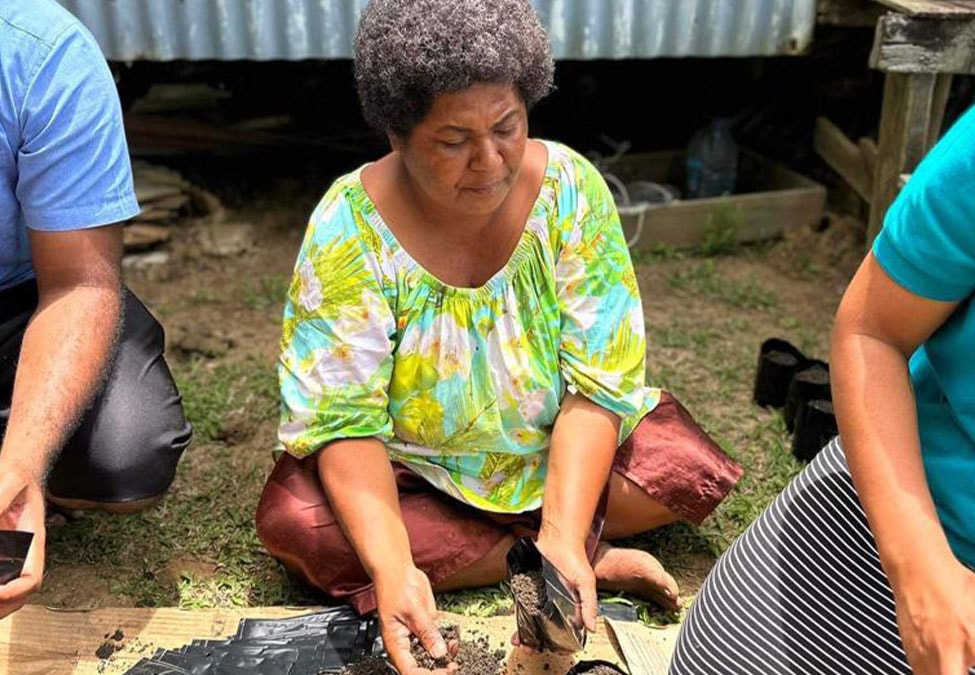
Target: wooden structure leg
[[910, 122]]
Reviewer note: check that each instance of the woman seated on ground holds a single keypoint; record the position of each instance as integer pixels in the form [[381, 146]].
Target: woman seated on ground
[[864, 564], [464, 342]]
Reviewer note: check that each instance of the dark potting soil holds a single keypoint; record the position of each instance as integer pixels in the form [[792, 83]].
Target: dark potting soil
[[814, 376], [423, 658], [529, 591], [600, 669], [474, 655], [782, 358], [371, 665], [107, 649]]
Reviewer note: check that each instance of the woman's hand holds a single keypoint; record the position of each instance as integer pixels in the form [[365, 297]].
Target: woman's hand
[[407, 607], [936, 616], [570, 559]]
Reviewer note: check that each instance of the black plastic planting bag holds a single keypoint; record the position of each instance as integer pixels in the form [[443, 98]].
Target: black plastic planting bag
[[599, 666], [14, 546], [556, 624]]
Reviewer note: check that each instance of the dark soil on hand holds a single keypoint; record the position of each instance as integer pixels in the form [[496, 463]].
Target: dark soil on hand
[[529, 591], [371, 665], [423, 658], [474, 655]]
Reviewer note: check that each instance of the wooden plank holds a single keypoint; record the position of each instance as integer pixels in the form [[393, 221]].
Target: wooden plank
[[903, 44], [933, 8], [904, 130], [850, 13], [939, 101], [762, 215], [844, 156], [38, 641], [868, 148]]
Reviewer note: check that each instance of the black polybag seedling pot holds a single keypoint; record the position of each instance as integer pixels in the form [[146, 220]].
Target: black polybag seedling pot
[[815, 427], [810, 383], [584, 667], [558, 626], [778, 361], [14, 546]]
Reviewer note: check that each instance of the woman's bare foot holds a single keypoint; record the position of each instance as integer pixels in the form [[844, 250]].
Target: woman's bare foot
[[637, 572]]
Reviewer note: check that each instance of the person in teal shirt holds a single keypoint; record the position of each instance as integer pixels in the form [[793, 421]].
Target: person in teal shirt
[[865, 562]]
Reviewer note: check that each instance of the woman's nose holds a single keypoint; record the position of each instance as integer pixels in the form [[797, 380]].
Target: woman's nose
[[487, 156]]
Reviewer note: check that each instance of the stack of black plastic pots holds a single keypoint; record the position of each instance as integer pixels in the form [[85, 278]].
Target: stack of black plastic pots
[[799, 385]]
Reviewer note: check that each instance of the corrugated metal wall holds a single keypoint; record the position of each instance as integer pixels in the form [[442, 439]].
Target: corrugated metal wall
[[163, 30]]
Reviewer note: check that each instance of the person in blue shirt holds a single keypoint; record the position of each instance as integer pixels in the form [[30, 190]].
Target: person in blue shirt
[[89, 414], [865, 563]]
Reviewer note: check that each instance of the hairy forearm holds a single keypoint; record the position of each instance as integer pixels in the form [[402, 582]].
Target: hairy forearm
[[65, 355], [878, 422], [358, 478], [580, 459]]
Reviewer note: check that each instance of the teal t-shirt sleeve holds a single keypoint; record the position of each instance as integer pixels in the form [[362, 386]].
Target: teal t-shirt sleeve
[[73, 165], [927, 244]]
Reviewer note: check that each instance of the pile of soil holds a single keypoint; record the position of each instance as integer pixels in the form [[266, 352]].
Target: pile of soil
[[600, 669], [423, 658], [529, 591], [371, 665], [474, 655]]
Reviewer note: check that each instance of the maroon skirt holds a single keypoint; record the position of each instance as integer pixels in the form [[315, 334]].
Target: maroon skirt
[[668, 456]]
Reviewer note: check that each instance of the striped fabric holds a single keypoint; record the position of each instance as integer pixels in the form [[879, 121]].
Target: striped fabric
[[801, 591]]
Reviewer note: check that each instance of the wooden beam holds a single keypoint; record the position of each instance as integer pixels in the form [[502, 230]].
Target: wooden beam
[[868, 148], [905, 126], [848, 13], [905, 44], [844, 156], [939, 101], [933, 8]]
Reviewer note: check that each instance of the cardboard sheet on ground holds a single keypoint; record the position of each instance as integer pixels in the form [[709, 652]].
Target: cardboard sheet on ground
[[39, 641]]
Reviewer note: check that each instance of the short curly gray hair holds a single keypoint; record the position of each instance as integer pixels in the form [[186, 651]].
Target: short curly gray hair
[[409, 52]]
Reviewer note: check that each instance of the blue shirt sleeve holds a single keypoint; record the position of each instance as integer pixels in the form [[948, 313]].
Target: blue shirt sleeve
[[927, 244], [73, 164]]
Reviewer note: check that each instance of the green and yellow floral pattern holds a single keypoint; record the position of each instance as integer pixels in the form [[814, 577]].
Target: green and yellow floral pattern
[[463, 385]]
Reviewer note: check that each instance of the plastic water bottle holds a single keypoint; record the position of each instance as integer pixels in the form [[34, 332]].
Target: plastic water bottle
[[712, 161]]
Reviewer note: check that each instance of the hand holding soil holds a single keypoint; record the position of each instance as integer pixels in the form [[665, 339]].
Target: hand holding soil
[[408, 616]]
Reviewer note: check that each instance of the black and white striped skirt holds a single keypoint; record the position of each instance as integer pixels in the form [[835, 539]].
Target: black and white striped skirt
[[801, 591]]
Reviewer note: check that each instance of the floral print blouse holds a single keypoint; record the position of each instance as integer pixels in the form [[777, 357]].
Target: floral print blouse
[[463, 385]]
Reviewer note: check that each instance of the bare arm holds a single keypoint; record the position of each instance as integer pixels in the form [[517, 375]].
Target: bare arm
[[583, 444], [65, 353], [878, 326], [68, 344], [361, 487]]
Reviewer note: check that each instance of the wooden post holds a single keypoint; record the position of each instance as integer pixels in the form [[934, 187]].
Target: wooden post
[[909, 120]]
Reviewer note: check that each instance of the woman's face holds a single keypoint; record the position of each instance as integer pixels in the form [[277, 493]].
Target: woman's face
[[465, 155]]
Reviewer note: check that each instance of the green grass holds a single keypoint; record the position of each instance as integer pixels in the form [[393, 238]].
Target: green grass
[[703, 278], [268, 291]]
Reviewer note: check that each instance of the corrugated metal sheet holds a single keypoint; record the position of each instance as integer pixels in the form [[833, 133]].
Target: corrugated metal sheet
[[163, 30]]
